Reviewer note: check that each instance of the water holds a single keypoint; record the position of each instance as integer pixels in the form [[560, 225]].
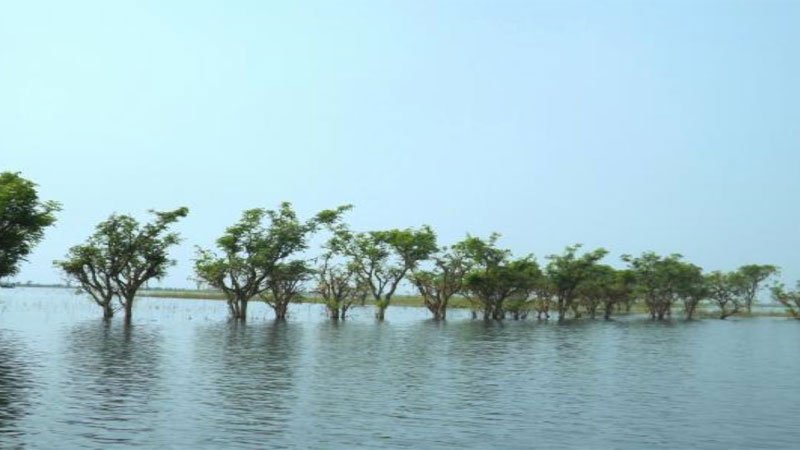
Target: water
[[184, 377]]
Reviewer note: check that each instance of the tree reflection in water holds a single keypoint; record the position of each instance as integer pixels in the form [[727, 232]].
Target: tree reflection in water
[[15, 381], [113, 381], [251, 369]]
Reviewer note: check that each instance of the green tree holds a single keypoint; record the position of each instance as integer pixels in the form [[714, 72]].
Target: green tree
[[339, 286], [544, 297], [567, 271], [596, 289], [693, 288], [23, 219], [789, 299], [284, 286], [495, 277], [251, 252], [382, 259], [94, 268], [726, 291], [442, 281], [661, 281], [121, 256], [751, 278]]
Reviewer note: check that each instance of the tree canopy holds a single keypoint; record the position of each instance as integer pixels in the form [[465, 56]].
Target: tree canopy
[[251, 252], [23, 219], [121, 256]]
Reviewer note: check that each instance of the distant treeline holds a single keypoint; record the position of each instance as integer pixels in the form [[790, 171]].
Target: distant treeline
[[264, 256]]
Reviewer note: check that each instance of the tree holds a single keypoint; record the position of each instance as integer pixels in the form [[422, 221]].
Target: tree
[[144, 253], [789, 299], [750, 278], [567, 271], [692, 289], [381, 259], [339, 287], [94, 268], [284, 285], [495, 277], [121, 256], [663, 281], [251, 252], [23, 219], [726, 291], [596, 289], [444, 280]]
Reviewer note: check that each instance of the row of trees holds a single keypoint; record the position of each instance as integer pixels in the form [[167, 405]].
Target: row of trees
[[264, 256]]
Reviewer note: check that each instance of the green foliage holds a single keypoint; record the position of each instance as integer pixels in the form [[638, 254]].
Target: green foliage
[[121, 256], [726, 290], [750, 279], [789, 299], [94, 267], [567, 271], [339, 286], [442, 281], [284, 285], [23, 219], [381, 259], [663, 281], [596, 288], [495, 277], [250, 251]]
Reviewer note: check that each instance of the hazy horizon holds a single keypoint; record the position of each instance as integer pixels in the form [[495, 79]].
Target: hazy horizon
[[664, 126]]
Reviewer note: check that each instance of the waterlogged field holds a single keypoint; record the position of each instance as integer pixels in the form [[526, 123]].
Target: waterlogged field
[[184, 377]]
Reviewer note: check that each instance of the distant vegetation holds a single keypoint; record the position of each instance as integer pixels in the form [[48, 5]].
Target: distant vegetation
[[264, 256]]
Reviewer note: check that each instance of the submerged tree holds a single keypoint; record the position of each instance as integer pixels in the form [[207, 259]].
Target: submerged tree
[[726, 291], [284, 286], [339, 287], [23, 219], [663, 281], [444, 280], [567, 271], [692, 289], [121, 256], [251, 252], [789, 299], [597, 290], [382, 259], [495, 277], [94, 268], [145, 251], [543, 297], [750, 279]]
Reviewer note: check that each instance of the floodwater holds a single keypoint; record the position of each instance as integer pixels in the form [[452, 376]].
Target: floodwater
[[184, 377]]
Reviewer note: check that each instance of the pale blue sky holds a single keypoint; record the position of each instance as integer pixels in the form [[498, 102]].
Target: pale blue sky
[[640, 125]]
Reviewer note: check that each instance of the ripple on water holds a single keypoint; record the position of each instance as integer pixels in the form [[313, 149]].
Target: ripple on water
[[182, 376]]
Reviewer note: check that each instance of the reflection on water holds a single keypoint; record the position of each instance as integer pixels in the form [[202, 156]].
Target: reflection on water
[[184, 377], [251, 370], [112, 381], [15, 383]]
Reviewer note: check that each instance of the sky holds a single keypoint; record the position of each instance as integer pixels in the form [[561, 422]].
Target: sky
[[671, 126]]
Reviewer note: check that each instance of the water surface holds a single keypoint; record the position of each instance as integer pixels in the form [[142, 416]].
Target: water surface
[[184, 377]]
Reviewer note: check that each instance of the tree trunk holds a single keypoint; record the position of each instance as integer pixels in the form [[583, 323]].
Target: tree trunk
[[380, 314], [243, 310], [108, 311], [333, 313], [562, 310], [281, 309], [128, 309]]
